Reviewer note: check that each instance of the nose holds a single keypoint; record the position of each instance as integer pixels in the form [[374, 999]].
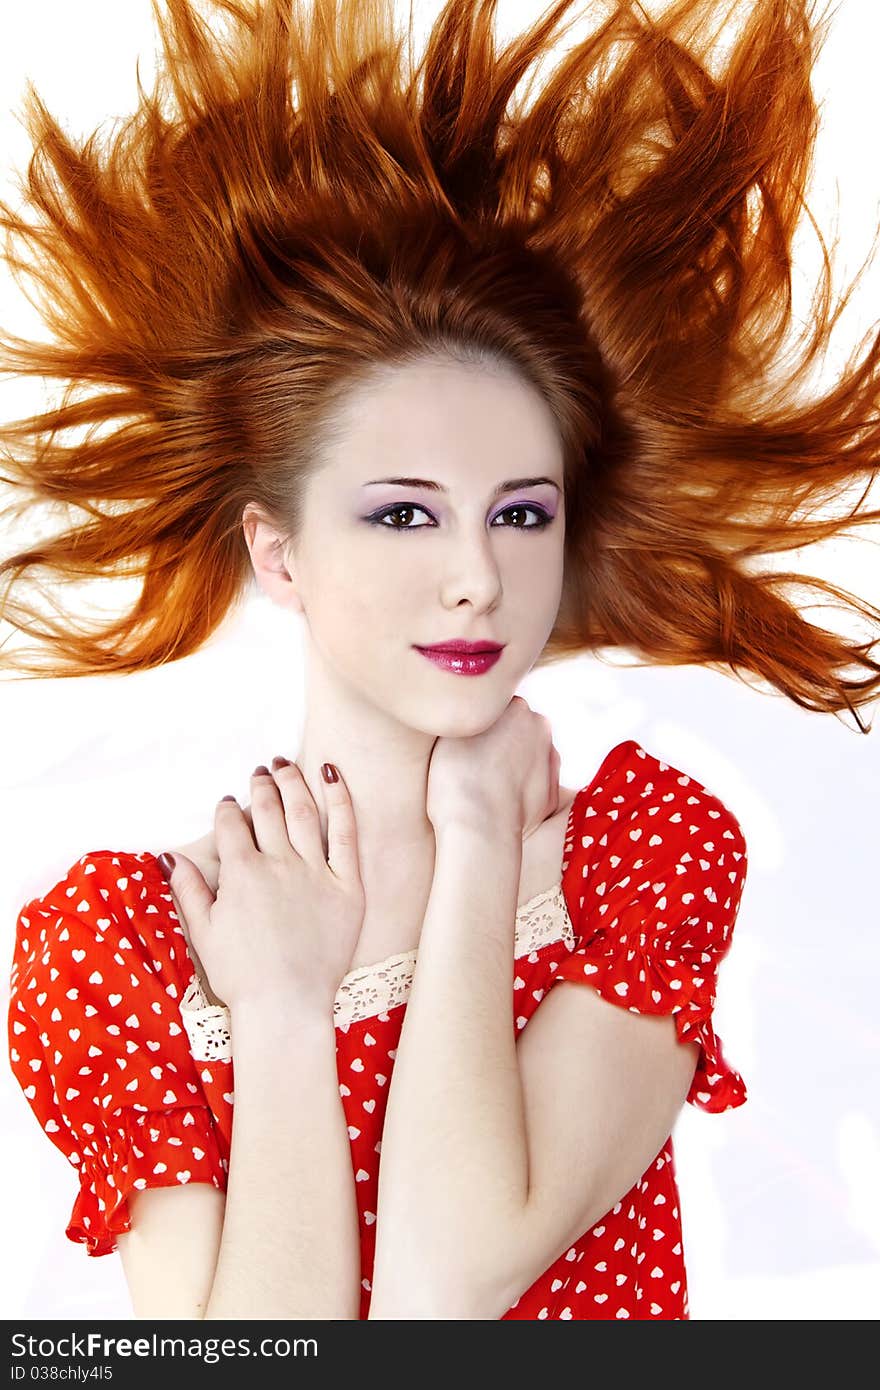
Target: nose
[[471, 571]]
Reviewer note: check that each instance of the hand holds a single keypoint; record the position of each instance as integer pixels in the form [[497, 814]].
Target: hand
[[509, 773], [285, 919]]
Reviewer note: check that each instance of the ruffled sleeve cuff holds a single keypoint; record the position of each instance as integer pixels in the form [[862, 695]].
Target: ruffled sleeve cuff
[[656, 985], [140, 1149], [716, 1085]]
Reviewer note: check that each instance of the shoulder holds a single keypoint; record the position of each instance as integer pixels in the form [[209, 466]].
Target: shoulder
[[103, 885], [651, 845], [112, 905], [633, 787]]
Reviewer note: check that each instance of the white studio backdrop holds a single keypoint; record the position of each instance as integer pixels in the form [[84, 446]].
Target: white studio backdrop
[[780, 1200]]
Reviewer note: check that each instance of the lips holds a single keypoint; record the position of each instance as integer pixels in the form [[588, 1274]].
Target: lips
[[473, 661], [464, 648]]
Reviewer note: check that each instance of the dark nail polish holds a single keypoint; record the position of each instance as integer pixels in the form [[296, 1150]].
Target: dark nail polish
[[166, 864], [329, 773], [278, 761]]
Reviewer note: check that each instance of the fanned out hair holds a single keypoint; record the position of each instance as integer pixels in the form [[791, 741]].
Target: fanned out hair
[[295, 206]]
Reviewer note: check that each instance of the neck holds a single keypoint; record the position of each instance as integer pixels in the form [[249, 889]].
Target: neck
[[384, 765]]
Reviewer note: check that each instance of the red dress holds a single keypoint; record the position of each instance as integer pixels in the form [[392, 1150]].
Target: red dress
[[129, 1071]]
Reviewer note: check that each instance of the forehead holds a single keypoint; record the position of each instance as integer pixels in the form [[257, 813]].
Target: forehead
[[447, 415]]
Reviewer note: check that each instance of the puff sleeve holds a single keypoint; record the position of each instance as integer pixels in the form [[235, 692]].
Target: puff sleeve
[[658, 866], [97, 1046]]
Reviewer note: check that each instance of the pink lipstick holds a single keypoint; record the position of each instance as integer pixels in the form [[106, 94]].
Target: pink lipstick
[[463, 658]]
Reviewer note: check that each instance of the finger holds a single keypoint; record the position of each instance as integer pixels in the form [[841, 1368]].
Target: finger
[[191, 892], [342, 850], [302, 824], [232, 834], [268, 814]]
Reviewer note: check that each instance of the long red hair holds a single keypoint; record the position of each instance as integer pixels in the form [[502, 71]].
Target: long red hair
[[295, 204]]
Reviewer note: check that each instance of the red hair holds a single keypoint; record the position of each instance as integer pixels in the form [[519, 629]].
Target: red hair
[[295, 207]]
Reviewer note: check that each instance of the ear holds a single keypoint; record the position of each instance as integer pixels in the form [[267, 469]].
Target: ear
[[271, 552]]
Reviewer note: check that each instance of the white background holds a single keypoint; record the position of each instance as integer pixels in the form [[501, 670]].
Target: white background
[[781, 1203]]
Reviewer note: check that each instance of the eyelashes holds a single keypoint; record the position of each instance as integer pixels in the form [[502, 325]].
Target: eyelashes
[[378, 518]]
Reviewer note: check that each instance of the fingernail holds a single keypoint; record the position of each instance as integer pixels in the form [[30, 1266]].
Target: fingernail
[[278, 761], [261, 770], [166, 864], [329, 773]]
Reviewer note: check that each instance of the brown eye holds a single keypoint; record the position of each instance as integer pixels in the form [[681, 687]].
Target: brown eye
[[521, 507], [402, 509]]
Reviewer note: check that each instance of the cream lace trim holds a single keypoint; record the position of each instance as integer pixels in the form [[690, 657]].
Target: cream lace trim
[[373, 989]]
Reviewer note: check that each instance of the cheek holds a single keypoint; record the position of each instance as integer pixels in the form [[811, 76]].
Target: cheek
[[358, 597], [538, 582]]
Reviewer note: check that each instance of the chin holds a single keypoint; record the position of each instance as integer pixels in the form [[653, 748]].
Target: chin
[[467, 723]]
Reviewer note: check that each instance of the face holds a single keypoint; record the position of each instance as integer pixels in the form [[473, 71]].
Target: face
[[472, 550]]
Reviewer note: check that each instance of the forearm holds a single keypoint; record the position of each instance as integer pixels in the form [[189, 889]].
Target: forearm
[[454, 1147], [290, 1245]]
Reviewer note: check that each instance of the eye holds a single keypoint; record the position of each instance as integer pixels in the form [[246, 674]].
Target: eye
[[543, 517], [379, 518]]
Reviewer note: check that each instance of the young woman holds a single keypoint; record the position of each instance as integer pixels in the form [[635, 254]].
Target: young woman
[[317, 1063]]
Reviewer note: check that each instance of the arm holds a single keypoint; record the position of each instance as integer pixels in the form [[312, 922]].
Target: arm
[[454, 1164], [283, 1240], [290, 1245], [290, 1240], [498, 1153]]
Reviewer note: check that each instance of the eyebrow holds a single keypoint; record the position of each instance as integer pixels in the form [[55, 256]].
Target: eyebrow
[[509, 485]]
